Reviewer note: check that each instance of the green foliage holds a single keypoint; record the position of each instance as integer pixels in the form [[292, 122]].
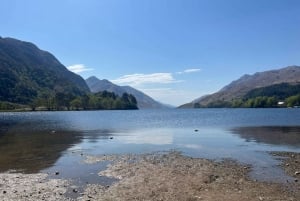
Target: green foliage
[[28, 73], [265, 97], [105, 101], [219, 104], [280, 91], [6, 106], [293, 101]]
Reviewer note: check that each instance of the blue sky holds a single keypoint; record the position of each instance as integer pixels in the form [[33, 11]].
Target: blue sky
[[173, 50]]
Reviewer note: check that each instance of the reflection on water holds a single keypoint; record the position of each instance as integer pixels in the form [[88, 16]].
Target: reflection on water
[[31, 146], [32, 151], [272, 135], [58, 141], [153, 137]]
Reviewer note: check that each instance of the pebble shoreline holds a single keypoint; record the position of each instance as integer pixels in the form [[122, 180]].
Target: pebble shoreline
[[158, 176]]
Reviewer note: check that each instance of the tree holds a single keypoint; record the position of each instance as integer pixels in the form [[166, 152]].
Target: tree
[[76, 103], [293, 101]]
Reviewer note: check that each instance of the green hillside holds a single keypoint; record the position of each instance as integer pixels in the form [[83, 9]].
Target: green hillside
[[33, 78]]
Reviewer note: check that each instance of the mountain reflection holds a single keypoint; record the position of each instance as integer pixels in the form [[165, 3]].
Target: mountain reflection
[[30, 146], [274, 135], [30, 151]]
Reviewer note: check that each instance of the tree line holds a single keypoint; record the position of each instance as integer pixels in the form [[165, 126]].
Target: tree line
[[66, 101], [255, 102]]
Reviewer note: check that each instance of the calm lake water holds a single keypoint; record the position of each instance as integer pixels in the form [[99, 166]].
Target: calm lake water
[[59, 141]]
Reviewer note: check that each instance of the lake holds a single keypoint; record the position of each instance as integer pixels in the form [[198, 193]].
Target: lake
[[32, 142]]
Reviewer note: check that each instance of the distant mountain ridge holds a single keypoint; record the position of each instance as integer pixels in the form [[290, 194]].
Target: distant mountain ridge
[[26, 72], [144, 101], [239, 88]]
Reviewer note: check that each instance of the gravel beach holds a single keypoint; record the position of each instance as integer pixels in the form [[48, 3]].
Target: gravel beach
[[158, 176]]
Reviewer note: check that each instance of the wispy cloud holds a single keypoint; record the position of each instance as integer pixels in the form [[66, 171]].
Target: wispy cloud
[[78, 68], [139, 79], [190, 70]]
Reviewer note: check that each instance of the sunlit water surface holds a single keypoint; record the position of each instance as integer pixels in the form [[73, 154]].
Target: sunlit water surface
[[59, 141]]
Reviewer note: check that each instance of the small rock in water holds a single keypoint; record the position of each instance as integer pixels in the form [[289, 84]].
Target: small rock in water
[[196, 130], [75, 190], [4, 192], [111, 138], [53, 131], [297, 173], [56, 173], [296, 180], [287, 164]]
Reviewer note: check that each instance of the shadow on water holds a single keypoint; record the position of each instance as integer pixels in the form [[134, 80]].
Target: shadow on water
[[28, 147], [30, 151], [272, 135]]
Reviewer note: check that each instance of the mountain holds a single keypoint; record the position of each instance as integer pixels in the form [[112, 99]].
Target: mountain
[[144, 101], [26, 73], [249, 84], [97, 85]]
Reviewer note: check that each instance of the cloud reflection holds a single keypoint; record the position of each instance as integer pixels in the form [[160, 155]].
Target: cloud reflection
[[153, 137]]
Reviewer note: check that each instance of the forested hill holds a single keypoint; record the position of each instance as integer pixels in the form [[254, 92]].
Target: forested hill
[[35, 78], [143, 100], [26, 72], [262, 89]]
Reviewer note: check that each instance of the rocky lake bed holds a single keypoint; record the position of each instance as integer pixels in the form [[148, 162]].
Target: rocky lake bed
[[158, 176]]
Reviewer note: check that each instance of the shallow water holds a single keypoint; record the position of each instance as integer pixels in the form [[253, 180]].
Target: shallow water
[[59, 141]]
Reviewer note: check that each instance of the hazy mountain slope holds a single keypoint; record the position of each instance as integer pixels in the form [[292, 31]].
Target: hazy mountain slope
[[27, 72], [144, 101], [239, 88], [97, 85]]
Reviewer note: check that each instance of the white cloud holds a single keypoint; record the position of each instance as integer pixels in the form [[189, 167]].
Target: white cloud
[[139, 79], [191, 70], [78, 68]]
